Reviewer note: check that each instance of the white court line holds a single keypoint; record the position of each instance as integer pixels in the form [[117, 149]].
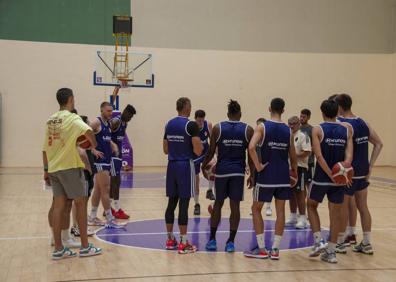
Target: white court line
[[163, 233], [193, 232]]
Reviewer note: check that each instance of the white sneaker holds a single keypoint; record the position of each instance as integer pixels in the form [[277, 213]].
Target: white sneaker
[[71, 243], [268, 211], [301, 224], [291, 221]]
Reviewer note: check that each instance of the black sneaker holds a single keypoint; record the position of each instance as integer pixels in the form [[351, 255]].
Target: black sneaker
[[197, 209], [210, 195], [75, 231]]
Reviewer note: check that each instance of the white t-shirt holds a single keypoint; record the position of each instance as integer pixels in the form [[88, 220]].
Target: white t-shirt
[[302, 143]]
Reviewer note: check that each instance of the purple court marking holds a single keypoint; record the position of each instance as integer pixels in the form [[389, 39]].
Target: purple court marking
[[151, 234], [148, 180]]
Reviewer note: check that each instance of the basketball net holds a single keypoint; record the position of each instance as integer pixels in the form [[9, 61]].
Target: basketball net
[[123, 83]]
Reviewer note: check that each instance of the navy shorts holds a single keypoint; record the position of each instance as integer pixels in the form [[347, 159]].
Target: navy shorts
[[116, 166], [180, 179], [197, 167], [357, 185], [335, 194], [302, 173], [265, 194], [229, 187], [102, 164]]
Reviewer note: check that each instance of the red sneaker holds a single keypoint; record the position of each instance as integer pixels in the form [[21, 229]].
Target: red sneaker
[[186, 248], [120, 214], [171, 244]]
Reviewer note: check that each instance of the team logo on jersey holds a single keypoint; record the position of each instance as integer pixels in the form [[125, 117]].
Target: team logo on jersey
[[361, 140], [335, 141]]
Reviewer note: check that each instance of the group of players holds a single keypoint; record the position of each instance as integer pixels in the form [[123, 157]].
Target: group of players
[[73, 171], [274, 151]]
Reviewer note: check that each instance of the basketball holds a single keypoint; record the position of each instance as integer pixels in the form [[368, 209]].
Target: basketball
[[211, 171], [83, 142], [342, 172], [293, 178]]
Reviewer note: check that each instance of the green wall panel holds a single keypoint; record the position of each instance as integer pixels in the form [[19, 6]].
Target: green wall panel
[[65, 21]]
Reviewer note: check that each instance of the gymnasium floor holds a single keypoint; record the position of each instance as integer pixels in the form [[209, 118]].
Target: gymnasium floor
[[25, 250]]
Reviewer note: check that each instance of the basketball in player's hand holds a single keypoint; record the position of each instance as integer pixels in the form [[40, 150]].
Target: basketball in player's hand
[[342, 173], [293, 178], [83, 142], [210, 172]]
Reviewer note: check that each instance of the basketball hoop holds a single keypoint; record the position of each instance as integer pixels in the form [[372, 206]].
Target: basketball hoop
[[124, 82]]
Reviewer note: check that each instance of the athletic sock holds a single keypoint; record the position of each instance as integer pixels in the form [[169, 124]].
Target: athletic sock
[[232, 236], [94, 212], [331, 247], [293, 216], [171, 236], [183, 239], [366, 238], [353, 230], [260, 241], [117, 205], [277, 241], [109, 215], [341, 238], [317, 236], [213, 231]]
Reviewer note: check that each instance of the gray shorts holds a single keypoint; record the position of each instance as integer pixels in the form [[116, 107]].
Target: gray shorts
[[70, 183]]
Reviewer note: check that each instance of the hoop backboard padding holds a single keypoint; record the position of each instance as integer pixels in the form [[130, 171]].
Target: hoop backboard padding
[[112, 66], [122, 24]]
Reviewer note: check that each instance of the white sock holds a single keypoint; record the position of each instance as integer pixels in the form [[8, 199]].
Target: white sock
[[211, 185], [317, 236], [366, 238], [331, 247], [293, 216], [117, 205], [277, 241], [303, 218], [65, 235], [341, 238], [94, 212], [353, 230], [183, 239], [109, 215], [260, 241], [171, 236]]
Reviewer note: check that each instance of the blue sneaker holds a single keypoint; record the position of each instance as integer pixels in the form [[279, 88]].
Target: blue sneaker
[[211, 245], [112, 224], [230, 247]]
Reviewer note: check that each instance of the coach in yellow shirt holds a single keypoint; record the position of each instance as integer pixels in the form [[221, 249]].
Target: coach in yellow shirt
[[63, 170]]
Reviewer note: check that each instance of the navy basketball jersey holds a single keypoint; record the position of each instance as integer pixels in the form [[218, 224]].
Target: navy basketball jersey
[[231, 149], [103, 138], [204, 135], [179, 140], [332, 145], [117, 136], [361, 134], [274, 150]]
